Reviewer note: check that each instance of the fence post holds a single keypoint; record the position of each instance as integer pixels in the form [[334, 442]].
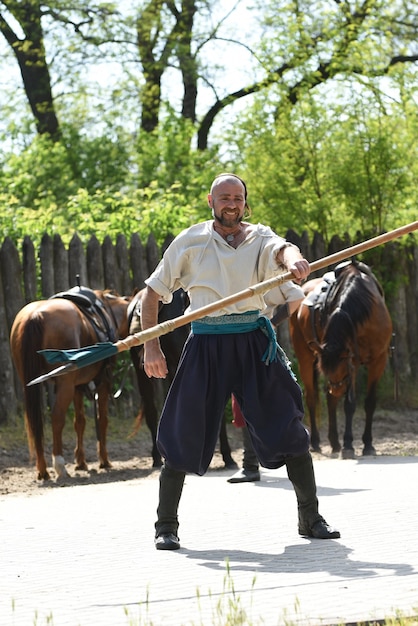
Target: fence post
[[8, 384], [95, 270], [77, 261], [61, 275]]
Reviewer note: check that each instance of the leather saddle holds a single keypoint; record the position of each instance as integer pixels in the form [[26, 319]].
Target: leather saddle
[[93, 309]]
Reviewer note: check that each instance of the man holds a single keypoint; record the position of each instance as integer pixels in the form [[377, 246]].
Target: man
[[281, 302], [234, 352]]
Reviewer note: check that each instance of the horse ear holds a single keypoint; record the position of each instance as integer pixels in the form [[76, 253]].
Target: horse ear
[[341, 266]]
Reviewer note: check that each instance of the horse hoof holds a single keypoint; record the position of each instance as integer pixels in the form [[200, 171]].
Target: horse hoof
[[369, 451], [59, 466], [105, 465], [63, 480], [347, 454], [44, 475], [316, 449], [82, 467]]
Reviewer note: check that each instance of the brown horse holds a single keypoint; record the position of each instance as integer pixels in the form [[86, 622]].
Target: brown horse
[[81, 317], [338, 328]]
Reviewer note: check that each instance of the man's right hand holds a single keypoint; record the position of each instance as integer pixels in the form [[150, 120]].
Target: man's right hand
[[155, 364]]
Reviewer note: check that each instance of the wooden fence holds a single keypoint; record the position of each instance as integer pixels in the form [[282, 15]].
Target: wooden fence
[[27, 274]]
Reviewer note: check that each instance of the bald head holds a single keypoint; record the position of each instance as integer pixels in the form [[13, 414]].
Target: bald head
[[228, 178]]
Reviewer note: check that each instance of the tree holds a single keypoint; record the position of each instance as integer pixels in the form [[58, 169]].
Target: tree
[[317, 42], [29, 51], [304, 45], [142, 130], [333, 165]]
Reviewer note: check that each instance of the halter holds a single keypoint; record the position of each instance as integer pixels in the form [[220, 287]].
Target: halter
[[347, 378], [349, 356]]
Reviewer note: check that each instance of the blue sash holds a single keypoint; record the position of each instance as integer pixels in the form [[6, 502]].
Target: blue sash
[[242, 323]]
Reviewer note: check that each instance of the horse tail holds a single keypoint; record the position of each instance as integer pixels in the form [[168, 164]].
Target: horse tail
[[33, 366]]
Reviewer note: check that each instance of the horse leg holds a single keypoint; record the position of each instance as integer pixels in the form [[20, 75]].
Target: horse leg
[[332, 403], [370, 406], [79, 427], [34, 428], [349, 410], [103, 392], [309, 376], [146, 391], [151, 419], [63, 398], [225, 448]]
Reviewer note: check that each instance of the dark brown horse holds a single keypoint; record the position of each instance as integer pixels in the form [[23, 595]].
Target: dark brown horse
[[339, 327], [172, 345], [64, 323]]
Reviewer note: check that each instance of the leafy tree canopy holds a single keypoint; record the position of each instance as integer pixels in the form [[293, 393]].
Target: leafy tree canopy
[[117, 116]]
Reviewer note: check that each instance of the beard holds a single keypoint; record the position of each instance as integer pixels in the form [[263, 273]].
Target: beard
[[223, 220]]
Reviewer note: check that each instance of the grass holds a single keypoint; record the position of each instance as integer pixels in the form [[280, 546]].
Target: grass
[[228, 610], [13, 433]]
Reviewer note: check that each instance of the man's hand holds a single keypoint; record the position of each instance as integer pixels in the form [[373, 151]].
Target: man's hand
[[294, 262], [155, 364], [300, 269]]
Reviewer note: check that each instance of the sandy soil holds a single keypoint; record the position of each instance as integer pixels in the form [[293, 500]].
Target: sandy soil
[[395, 432]]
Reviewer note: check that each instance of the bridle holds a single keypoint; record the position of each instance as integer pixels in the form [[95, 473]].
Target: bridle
[[334, 387], [350, 356]]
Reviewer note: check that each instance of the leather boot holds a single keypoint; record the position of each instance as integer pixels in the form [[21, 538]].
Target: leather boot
[[166, 526], [249, 459], [311, 524], [249, 472]]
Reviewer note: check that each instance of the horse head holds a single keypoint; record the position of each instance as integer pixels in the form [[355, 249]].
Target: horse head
[[341, 376], [338, 352]]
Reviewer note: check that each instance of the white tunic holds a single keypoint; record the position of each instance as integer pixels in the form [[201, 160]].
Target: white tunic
[[201, 262], [287, 292]]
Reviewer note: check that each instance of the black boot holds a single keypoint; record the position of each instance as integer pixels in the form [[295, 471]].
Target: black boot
[[249, 472], [166, 526], [311, 523]]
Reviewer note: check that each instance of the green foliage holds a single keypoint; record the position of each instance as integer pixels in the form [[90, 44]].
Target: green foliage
[[101, 213], [337, 166], [101, 186], [327, 145]]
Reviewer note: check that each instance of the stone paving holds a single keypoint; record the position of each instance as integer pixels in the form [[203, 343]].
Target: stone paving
[[84, 555]]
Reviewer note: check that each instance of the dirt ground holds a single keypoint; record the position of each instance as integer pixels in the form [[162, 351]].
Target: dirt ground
[[395, 432]]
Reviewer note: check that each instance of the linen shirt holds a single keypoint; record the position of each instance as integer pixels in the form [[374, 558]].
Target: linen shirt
[[201, 262], [287, 292]]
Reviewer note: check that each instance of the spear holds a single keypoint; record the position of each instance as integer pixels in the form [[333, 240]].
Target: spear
[[81, 357]]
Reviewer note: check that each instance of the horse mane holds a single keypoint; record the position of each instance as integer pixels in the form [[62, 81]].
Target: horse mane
[[348, 308]]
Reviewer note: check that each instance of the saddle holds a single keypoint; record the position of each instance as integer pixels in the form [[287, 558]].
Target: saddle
[[93, 309], [319, 301], [134, 316]]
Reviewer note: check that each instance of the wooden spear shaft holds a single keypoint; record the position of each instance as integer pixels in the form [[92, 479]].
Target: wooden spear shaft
[[167, 327]]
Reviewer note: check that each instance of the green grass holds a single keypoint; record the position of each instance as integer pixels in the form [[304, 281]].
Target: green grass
[[228, 610]]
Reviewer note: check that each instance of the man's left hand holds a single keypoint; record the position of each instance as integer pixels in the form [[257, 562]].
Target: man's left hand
[[300, 269]]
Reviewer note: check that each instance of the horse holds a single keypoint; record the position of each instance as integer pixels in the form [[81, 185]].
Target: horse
[[343, 323], [172, 345], [73, 319]]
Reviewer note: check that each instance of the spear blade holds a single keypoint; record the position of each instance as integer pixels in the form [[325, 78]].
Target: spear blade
[[59, 371]]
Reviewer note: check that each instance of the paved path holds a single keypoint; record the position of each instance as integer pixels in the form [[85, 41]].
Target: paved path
[[84, 556]]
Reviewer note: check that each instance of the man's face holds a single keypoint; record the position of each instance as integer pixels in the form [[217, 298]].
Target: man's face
[[227, 202]]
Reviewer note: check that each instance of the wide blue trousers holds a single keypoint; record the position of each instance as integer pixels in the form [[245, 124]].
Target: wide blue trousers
[[211, 368]]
